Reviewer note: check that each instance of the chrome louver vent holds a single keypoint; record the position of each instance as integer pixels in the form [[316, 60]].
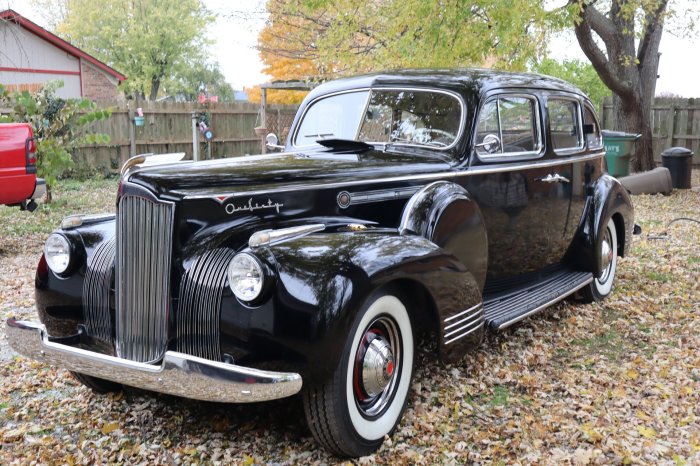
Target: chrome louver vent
[[96, 291], [199, 305], [144, 246]]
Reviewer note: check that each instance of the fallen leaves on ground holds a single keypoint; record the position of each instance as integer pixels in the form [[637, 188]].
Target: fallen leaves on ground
[[616, 382]]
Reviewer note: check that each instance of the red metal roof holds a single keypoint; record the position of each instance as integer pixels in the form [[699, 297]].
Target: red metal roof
[[13, 16]]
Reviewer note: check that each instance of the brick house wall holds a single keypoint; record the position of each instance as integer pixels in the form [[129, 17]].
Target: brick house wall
[[97, 85]]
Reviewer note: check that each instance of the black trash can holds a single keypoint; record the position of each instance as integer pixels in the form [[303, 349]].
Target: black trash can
[[679, 162]]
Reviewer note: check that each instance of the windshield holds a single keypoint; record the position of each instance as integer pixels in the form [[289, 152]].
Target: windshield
[[415, 117]]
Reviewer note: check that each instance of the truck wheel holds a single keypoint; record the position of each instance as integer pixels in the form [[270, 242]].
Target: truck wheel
[[95, 384], [363, 400], [601, 285]]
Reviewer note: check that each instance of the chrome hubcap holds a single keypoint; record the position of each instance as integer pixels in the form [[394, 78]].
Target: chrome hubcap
[[377, 364], [606, 257]]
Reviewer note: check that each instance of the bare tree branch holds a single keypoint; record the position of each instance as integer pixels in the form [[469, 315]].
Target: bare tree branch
[[597, 58], [653, 21]]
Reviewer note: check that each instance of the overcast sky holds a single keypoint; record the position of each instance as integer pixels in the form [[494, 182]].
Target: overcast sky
[[235, 36]]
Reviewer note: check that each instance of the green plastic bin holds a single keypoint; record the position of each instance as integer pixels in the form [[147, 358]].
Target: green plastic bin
[[618, 151]]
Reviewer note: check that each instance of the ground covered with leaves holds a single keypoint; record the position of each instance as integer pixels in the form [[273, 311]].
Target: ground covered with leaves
[[611, 383]]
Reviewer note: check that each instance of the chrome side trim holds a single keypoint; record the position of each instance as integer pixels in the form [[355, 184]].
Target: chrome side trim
[[270, 237], [448, 176], [179, 374], [468, 330], [547, 304], [463, 312], [469, 322], [365, 197], [97, 289], [463, 323]]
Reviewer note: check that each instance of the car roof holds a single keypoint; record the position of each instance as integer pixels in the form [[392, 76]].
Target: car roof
[[473, 81]]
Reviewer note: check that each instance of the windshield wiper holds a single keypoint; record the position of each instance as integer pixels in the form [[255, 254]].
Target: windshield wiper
[[343, 145]]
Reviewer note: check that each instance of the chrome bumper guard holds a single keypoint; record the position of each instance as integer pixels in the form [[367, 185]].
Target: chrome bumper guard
[[39, 189], [179, 374]]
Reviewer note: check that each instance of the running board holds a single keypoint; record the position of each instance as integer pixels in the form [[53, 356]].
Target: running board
[[505, 310]]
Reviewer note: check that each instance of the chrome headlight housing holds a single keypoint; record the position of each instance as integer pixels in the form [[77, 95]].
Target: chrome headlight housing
[[57, 251], [245, 276]]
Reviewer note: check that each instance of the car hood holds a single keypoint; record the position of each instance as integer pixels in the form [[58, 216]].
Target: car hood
[[246, 174]]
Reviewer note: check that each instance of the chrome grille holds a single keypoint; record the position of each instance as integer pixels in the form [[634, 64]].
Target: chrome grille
[[144, 247], [199, 305], [96, 291]]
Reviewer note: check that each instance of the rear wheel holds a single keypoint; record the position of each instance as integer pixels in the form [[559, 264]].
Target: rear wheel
[[96, 384], [365, 397], [601, 286]]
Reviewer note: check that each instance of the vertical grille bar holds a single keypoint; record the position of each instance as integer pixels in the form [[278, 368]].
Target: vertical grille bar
[[199, 308], [96, 291], [144, 246]]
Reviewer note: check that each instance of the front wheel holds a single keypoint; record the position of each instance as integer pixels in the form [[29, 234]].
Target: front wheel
[[601, 285], [364, 398]]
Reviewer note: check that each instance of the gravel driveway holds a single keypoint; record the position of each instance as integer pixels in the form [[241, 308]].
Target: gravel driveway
[[610, 383]]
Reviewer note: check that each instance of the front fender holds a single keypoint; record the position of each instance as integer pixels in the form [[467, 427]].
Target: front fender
[[59, 299], [324, 280]]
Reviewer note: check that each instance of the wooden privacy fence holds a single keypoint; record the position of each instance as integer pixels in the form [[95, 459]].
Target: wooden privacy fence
[[675, 122], [168, 128]]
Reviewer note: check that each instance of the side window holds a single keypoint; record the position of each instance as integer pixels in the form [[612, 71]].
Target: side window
[[508, 126], [591, 129], [564, 124]]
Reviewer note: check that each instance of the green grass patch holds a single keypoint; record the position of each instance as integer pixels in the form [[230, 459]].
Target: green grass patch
[[610, 344], [70, 197], [659, 277], [500, 396]]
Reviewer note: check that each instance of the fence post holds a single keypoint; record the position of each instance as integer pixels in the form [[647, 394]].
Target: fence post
[[195, 138], [670, 125]]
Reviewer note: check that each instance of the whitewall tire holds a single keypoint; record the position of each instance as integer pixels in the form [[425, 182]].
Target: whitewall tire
[[606, 249], [365, 397]]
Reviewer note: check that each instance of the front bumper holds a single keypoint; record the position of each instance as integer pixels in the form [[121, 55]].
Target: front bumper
[[179, 374]]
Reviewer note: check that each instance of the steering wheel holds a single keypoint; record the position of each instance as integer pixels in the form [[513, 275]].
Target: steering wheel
[[433, 136]]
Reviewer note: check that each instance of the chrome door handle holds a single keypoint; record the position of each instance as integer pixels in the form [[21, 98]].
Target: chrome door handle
[[554, 178]]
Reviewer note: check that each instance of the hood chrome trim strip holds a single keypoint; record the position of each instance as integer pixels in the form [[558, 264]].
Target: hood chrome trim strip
[[473, 171]]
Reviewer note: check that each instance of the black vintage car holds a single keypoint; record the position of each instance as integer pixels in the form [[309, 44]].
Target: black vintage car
[[452, 203]]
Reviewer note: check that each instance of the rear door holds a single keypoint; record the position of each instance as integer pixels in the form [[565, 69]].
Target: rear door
[[565, 122]]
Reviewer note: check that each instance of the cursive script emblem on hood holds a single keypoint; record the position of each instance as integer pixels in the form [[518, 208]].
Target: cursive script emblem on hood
[[232, 208]]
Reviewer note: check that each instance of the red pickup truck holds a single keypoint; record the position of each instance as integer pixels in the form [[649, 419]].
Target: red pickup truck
[[18, 182]]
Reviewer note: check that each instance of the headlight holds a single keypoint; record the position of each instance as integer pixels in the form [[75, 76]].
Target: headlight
[[57, 252], [245, 276]]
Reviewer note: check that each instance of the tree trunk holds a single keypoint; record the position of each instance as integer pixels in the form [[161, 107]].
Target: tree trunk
[[632, 115], [628, 69], [155, 85], [49, 197]]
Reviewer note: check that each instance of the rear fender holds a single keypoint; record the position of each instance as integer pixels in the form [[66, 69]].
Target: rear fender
[[609, 199]]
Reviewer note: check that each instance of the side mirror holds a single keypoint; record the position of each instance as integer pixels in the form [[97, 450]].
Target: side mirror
[[490, 144], [271, 142]]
